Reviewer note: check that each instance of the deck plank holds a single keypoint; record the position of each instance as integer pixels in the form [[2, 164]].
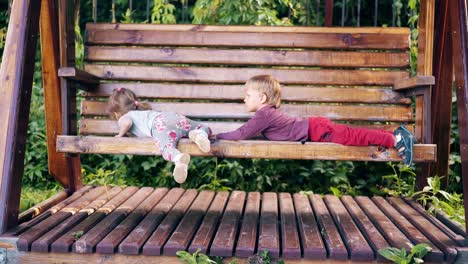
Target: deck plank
[[21, 228], [225, 237], [124, 203], [65, 242], [156, 241], [109, 244], [248, 232], [43, 243], [290, 245], [311, 239], [135, 240], [409, 229], [439, 239], [389, 230], [368, 229], [206, 231], [269, 236], [358, 248], [180, 238], [333, 242], [460, 240], [25, 239]]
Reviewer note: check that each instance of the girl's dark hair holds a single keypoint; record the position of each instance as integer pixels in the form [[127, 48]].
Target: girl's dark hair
[[123, 100]]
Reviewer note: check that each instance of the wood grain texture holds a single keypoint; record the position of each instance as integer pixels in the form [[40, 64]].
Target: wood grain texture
[[240, 75], [242, 149], [247, 57], [238, 111]]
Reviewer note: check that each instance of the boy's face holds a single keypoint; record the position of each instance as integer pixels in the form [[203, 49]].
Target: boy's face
[[254, 100]]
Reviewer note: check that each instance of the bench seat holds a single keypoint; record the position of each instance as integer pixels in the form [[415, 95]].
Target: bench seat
[[242, 149]]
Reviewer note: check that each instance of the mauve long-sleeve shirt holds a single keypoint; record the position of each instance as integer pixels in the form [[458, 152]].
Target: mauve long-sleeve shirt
[[273, 125]]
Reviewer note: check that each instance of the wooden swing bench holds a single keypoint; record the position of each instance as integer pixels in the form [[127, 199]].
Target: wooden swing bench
[[358, 76]]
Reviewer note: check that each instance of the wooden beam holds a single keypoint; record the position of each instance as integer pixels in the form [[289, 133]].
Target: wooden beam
[[329, 13], [68, 89], [441, 98], [15, 256], [241, 149], [406, 83], [58, 167], [424, 68], [459, 17], [16, 77], [79, 76]]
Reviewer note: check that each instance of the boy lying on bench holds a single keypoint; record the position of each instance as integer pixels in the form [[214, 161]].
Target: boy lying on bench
[[263, 96]]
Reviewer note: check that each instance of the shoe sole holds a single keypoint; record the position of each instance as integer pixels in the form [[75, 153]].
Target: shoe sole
[[180, 173], [202, 142], [406, 134]]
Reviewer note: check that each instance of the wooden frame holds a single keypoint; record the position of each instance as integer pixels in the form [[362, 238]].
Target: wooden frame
[[16, 76]]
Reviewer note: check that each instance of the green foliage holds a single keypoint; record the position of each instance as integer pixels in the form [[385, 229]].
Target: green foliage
[[77, 235], [433, 196], [31, 196], [197, 258], [264, 258], [401, 182], [3, 29], [242, 12], [163, 12], [413, 18], [400, 256]]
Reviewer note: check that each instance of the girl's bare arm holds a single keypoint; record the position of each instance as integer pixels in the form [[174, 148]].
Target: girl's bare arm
[[125, 123]]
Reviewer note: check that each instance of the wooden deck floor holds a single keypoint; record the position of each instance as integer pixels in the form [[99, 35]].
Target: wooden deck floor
[[147, 221]]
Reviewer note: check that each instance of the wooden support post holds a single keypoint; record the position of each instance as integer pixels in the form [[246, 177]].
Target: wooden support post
[[58, 165], [68, 89], [459, 16], [16, 77], [441, 103], [425, 53], [328, 13]]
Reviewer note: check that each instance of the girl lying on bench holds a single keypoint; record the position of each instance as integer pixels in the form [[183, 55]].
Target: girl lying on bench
[[263, 96], [166, 128]]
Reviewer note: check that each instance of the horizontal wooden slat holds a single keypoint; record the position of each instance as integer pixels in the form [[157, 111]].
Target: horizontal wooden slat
[[414, 82], [234, 28], [232, 110], [241, 75], [242, 149], [324, 39], [247, 57], [78, 76], [110, 127], [236, 93]]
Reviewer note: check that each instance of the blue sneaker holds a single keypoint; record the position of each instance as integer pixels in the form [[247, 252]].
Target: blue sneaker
[[407, 142]]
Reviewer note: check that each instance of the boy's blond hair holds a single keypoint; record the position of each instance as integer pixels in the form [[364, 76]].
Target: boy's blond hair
[[269, 86]]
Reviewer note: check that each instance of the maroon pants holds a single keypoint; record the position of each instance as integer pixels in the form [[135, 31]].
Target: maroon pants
[[322, 129]]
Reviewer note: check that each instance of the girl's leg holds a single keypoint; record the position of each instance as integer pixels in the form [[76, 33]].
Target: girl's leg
[[167, 141], [199, 133], [351, 136], [200, 126]]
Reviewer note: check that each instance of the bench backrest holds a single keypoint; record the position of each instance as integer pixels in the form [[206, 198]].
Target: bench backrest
[[345, 74]]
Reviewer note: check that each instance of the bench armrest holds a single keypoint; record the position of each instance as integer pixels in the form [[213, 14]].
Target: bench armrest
[[413, 82], [79, 76]]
